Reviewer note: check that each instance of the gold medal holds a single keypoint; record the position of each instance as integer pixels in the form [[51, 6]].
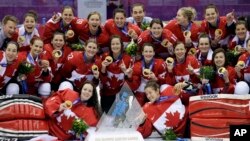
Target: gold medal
[[170, 61], [109, 59], [241, 64], [187, 34], [68, 104], [164, 43], [146, 72], [218, 32], [94, 68], [57, 53]]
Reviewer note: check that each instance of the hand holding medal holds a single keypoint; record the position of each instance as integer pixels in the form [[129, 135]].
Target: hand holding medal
[[109, 59], [21, 40], [218, 33], [94, 68], [68, 104], [241, 64], [146, 72], [221, 71], [70, 34], [187, 34]]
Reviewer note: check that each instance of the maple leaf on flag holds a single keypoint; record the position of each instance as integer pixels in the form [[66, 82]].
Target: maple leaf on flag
[[181, 79], [173, 119], [114, 82], [66, 121]]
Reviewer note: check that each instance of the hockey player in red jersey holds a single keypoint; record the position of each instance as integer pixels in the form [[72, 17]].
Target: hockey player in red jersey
[[148, 68], [115, 66], [184, 28], [118, 26], [66, 105], [41, 75], [218, 28], [8, 66], [162, 39], [92, 29], [204, 53], [60, 23], [164, 110], [56, 53], [78, 67]]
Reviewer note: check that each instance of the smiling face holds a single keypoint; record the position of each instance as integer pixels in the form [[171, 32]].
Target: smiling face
[[152, 94], [91, 49], [211, 15], [116, 46], [58, 41], [86, 92], [180, 51], [241, 31], [94, 22], [29, 24], [67, 15], [148, 53], [180, 18], [204, 45], [156, 30], [219, 59], [9, 28], [138, 13], [120, 19], [36, 48], [11, 52]]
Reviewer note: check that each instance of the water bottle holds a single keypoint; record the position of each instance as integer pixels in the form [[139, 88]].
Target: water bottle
[[208, 88]]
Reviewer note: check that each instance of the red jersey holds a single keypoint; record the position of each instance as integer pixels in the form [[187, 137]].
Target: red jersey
[[167, 112], [210, 30], [51, 26], [114, 78], [160, 51], [180, 72], [77, 69], [236, 41], [178, 31], [60, 124], [246, 71], [81, 28], [157, 66], [7, 71], [36, 77], [218, 84], [55, 65], [205, 60], [112, 29]]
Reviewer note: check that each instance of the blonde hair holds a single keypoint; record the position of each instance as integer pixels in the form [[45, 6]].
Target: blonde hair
[[189, 12]]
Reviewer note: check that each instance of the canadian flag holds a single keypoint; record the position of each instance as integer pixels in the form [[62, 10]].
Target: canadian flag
[[171, 117], [65, 120]]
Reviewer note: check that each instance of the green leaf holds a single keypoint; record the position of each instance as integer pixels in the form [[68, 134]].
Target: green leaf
[[144, 26], [79, 126], [169, 135], [131, 48], [207, 72], [232, 57], [77, 46], [25, 68]]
